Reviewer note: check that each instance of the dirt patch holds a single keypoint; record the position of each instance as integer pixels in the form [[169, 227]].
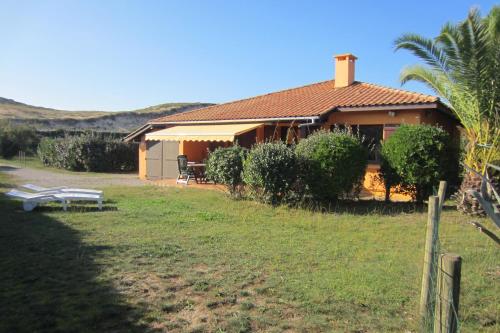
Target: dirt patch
[[180, 305]]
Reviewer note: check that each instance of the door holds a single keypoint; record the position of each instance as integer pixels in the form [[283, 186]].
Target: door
[[170, 153], [154, 159]]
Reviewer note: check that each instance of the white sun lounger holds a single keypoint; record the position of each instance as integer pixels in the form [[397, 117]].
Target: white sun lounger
[[69, 197], [60, 189], [31, 200]]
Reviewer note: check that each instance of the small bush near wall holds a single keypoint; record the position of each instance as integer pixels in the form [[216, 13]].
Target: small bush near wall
[[15, 138], [225, 166], [88, 152], [270, 171], [418, 157], [332, 164]]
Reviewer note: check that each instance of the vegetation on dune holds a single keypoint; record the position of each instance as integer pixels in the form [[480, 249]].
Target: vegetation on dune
[[120, 121], [10, 109]]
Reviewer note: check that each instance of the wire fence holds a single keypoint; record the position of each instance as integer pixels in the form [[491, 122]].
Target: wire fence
[[440, 294]]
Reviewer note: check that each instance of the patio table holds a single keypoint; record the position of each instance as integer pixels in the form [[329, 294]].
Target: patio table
[[199, 171]]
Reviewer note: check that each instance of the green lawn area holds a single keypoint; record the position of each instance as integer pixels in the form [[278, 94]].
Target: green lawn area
[[33, 162], [29, 162], [188, 260]]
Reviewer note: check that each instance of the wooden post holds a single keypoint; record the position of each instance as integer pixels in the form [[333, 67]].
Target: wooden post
[[430, 262], [448, 294], [442, 194]]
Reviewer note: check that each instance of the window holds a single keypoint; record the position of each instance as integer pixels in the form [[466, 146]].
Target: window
[[372, 136]]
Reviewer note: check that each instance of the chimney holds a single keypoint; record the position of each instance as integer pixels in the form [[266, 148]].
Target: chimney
[[344, 70]]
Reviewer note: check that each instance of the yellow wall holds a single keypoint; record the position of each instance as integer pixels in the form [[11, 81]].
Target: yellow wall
[[375, 117], [142, 158], [196, 151]]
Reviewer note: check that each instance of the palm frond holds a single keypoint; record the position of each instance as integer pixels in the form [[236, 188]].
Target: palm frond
[[463, 66], [424, 48]]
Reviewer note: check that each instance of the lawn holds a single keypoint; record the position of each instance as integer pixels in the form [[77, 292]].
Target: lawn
[[33, 162], [188, 260]]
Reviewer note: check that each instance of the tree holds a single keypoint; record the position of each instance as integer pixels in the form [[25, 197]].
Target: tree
[[462, 67]]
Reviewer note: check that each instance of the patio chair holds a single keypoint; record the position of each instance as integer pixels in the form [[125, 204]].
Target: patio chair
[[60, 189], [185, 172], [31, 200]]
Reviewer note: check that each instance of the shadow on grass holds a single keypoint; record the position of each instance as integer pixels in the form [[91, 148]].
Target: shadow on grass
[[7, 168], [49, 279], [77, 208], [368, 207]]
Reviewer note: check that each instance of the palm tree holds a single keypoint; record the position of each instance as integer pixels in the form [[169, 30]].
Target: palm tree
[[463, 68]]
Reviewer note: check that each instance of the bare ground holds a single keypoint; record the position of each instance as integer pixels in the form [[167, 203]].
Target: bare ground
[[74, 179]]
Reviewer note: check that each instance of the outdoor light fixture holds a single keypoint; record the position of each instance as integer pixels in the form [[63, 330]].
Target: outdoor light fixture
[[392, 114]]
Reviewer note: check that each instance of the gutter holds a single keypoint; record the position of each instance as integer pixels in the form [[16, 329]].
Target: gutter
[[253, 120], [151, 125]]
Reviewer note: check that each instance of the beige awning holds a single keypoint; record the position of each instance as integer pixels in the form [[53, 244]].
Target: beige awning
[[223, 132]]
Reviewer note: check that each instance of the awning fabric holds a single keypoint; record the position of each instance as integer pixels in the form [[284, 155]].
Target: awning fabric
[[223, 132]]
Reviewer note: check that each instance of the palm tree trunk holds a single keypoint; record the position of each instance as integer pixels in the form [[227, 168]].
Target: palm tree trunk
[[466, 203]]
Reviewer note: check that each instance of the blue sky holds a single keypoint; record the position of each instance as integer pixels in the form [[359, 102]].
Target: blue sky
[[118, 55]]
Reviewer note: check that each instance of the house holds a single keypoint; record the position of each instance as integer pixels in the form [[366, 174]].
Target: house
[[288, 115]]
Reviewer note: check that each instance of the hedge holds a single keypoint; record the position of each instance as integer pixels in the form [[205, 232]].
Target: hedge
[[225, 166], [88, 152], [332, 164], [270, 171], [17, 138], [417, 157]]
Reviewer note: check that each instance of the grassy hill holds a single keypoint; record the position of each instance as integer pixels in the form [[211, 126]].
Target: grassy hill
[[121, 121]]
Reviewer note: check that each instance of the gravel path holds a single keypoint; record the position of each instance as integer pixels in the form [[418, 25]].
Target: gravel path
[[75, 179]]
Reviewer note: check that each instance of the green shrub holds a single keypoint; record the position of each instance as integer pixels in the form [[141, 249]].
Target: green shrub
[[225, 166], [270, 171], [418, 157], [17, 138], [332, 163], [88, 152]]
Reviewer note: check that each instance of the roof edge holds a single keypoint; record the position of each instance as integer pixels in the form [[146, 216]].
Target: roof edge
[[245, 120]]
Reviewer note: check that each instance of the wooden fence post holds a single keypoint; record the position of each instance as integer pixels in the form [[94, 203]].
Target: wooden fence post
[[442, 194], [430, 261], [448, 294]]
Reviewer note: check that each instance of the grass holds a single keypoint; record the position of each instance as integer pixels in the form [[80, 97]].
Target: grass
[[34, 162], [31, 162], [187, 260]]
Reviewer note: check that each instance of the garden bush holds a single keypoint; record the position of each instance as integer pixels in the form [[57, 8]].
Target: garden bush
[[418, 157], [88, 152], [270, 171], [15, 138], [225, 166], [332, 164]]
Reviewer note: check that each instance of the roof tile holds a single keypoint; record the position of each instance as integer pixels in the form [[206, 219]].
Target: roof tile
[[307, 101]]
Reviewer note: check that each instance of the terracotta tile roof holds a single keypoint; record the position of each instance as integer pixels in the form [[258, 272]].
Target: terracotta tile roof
[[307, 101]]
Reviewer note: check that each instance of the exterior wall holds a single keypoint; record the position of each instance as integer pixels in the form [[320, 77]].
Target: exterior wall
[[375, 117], [448, 123], [196, 151], [142, 158]]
